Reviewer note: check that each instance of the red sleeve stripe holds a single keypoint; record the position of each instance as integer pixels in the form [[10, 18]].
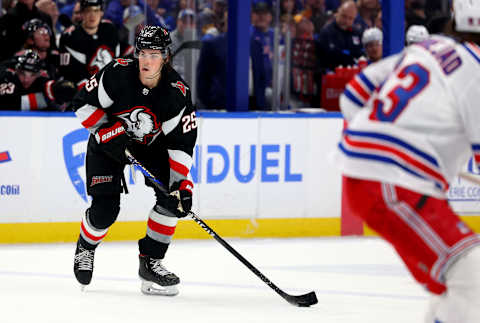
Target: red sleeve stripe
[[359, 89], [160, 228], [32, 99], [179, 168], [93, 119]]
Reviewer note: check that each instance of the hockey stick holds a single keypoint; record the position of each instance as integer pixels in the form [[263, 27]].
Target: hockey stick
[[300, 300]]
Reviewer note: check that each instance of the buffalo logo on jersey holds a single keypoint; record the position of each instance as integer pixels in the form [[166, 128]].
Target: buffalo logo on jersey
[[102, 57], [179, 85], [141, 124]]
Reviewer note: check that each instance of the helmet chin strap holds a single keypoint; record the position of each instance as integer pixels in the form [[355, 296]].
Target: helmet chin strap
[[155, 75]]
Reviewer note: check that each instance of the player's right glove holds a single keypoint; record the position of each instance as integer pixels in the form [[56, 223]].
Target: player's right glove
[[179, 201], [113, 139]]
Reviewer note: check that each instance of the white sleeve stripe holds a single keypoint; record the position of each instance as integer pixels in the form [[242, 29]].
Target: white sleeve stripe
[[363, 85], [103, 98], [354, 93], [169, 125], [117, 50], [84, 112], [25, 103], [41, 102], [181, 157], [82, 58]]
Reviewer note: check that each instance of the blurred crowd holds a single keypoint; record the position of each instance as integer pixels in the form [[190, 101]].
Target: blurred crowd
[[50, 48]]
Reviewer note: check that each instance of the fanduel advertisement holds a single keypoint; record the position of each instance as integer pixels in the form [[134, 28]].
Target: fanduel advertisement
[[242, 168]]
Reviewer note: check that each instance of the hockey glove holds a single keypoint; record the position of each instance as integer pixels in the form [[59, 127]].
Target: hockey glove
[[63, 91], [113, 140], [182, 191]]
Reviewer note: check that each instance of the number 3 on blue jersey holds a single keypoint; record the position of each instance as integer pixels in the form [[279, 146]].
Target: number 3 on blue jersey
[[400, 96]]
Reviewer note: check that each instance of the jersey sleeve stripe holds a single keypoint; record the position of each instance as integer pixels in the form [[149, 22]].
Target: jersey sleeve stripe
[[103, 97], [353, 98], [473, 50], [177, 167], [359, 89], [363, 79], [387, 160], [91, 116], [180, 157], [395, 141], [32, 101], [169, 125], [41, 102], [386, 152]]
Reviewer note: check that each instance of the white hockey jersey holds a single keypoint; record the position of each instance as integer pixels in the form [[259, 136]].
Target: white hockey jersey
[[413, 118]]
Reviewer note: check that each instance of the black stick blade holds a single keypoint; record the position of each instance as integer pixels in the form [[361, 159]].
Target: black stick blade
[[302, 300]]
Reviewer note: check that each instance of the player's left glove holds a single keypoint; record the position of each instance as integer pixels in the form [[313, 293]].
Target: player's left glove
[[182, 191]]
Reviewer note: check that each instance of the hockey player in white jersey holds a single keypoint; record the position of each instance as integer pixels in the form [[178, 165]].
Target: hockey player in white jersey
[[413, 123]]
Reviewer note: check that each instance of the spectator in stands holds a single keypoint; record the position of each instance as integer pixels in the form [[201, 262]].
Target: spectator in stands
[[305, 82], [288, 7], [24, 86], [415, 13], [332, 5], [7, 5], [378, 20], [209, 19], [116, 8], [437, 23], [262, 33], [11, 26], [38, 37], [367, 12], [71, 11], [372, 40], [77, 14], [88, 47], [162, 14], [185, 21], [339, 42], [212, 72], [315, 12], [50, 8], [416, 34]]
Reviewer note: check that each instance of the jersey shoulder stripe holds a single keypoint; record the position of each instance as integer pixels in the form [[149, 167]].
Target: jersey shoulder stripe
[[473, 50], [388, 149]]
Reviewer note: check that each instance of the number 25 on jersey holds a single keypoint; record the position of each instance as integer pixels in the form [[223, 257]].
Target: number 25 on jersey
[[189, 122], [400, 96]]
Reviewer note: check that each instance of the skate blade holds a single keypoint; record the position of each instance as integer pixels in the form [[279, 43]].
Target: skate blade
[[150, 288]]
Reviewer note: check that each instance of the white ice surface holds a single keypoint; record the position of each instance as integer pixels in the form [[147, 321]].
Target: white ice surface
[[357, 280]]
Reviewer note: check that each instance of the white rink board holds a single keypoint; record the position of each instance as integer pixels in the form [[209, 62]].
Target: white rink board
[[244, 167]]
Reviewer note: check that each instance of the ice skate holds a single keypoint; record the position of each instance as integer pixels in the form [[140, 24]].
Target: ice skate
[[156, 279], [83, 265]]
